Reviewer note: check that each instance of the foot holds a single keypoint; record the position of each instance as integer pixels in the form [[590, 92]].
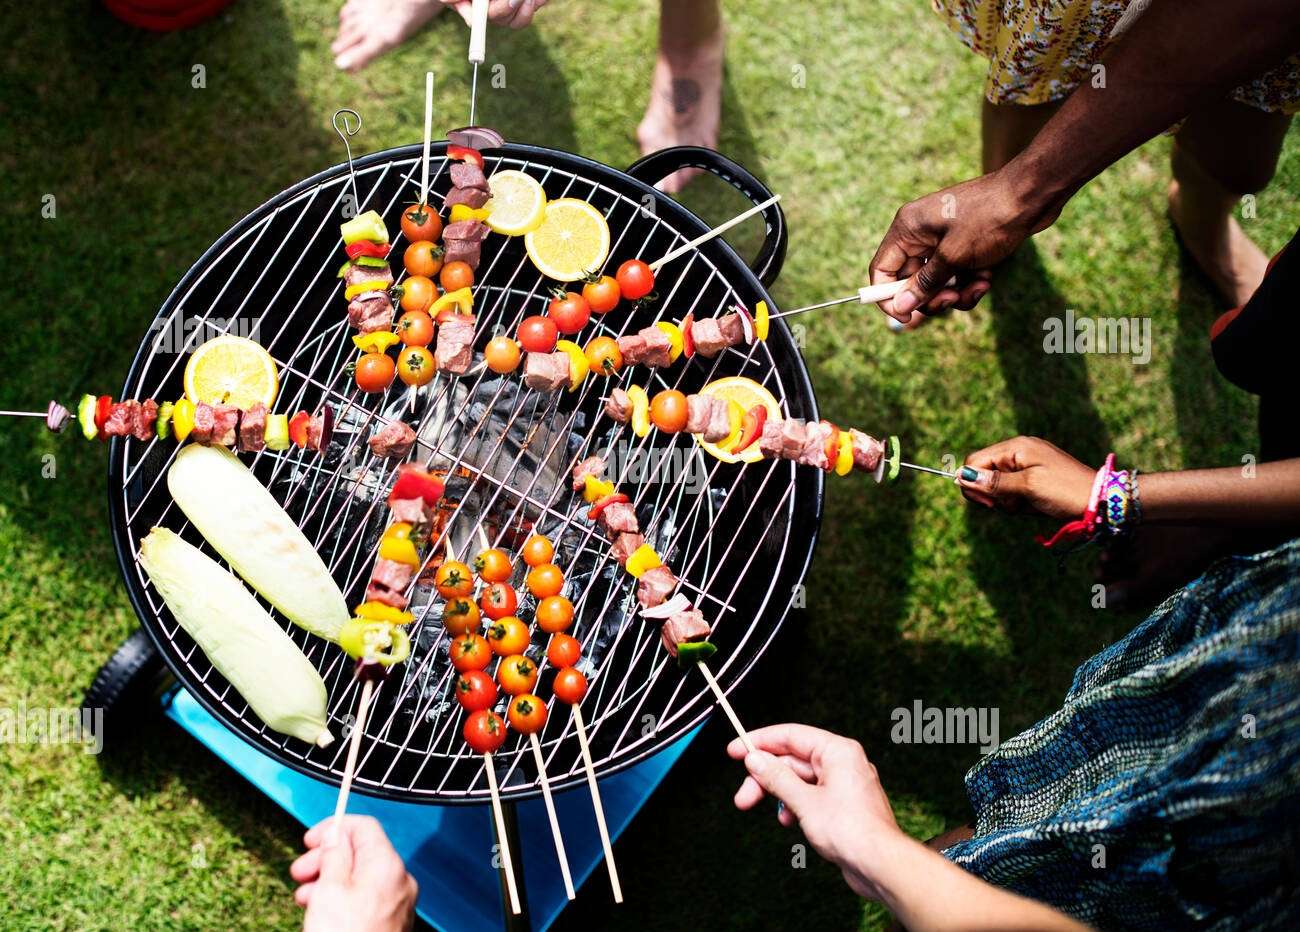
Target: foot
[[1158, 561], [1227, 256], [685, 102], [369, 28]]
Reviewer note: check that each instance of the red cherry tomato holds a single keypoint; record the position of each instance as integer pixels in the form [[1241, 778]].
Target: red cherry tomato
[[470, 652], [460, 616], [563, 651], [499, 600], [421, 222], [475, 690], [668, 411], [569, 686], [570, 312], [602, 294], [484, 731], [493, 565], [538, 334], [635, 280], [453, 580], [375, 372]]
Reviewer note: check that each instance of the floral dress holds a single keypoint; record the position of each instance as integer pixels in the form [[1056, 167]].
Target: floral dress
[[1041, 50]]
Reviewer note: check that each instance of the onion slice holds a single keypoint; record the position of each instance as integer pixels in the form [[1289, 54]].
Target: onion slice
[[747, 323], [662, 612], [476, 137]]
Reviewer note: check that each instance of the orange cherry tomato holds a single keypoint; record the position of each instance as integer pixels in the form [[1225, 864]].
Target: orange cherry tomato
[[484, 731], [470, 652], [421, 222], [668, 411], [423, 258], [499, 600], [563, 651], [602, 294], [415, 328], [517, 674], [569, 686], [527, 714], [418, 293], [545, 580], [453, 580], [456, 275], [460, 616], [538, 550], [502, 355], [415, 365], [604, 356], [508, 636], [375, 372], [493, 565], [554, 613]]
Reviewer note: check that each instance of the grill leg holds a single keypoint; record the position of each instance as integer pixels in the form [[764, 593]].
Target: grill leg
[[520, 923]]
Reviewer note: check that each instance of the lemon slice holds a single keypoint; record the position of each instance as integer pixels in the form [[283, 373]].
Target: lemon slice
[[518, 203], [572, 240], [232, 371], [745, 393]]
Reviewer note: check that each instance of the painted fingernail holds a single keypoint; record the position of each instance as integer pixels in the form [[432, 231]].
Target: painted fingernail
[[780, 808], [895, 324], [969, 474]]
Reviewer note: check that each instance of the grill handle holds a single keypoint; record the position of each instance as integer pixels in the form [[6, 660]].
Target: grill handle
[[659, 165]]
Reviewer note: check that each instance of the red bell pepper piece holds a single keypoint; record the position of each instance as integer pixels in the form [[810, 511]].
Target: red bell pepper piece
[[366, 248], [832, 446], [466, 154], [601, 504], [103, 407], [298, 428], [688, 341], [414, 482], [751, 428]]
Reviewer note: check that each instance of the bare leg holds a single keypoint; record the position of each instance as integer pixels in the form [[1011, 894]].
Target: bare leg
[[685, 106], [369, 28], [1220, 154]]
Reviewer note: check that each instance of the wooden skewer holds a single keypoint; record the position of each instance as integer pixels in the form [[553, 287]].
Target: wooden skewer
[[506, 863], [595, 799], [726, 707], [428, 135], [716, 231], [550, 813], [483, 538], [354, 748]]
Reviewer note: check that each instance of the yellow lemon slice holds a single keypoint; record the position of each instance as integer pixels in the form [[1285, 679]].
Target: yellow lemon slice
[[518, 203], [233, 371], [572, 240], [745, 394]]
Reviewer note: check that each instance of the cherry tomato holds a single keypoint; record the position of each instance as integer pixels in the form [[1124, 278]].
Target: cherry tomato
[[554, 613], [538, 334], [493, 565], [569, 686], [453, 580], [563, 651], [475, 690], [527, 714], [545, 580], [415, 365], [421, 222], [418, 293], [502, 355], [538, 550], [375, 372], [415, 328], [499, 600], [456, 275], [604, 356], [423, 258], [484, 731], [602, 294], [635, 280], [517, 674], [668, 410], [508, 636], [470, 652], [460, 616], [570, 312]]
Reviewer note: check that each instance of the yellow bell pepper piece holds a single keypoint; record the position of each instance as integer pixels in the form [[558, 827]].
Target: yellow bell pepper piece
[[351, 291], [643, 558], [736, 418], [377, 342], [399, 551], [844, 462], [640, 410], [378, 611], [595, 489], [461, 212], [761, 320], [182, 419], [675, 338], [461, 300], [578, 365]]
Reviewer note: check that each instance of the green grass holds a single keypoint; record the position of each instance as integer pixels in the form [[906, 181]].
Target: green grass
[[912, 595]]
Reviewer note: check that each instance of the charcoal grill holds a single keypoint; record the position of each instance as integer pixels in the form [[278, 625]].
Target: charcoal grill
[[740, 536]]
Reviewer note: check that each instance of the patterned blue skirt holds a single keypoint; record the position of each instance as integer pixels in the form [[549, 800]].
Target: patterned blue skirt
[[1165, 793]]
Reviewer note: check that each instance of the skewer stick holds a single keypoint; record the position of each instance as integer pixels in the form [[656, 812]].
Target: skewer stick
[[477, 48], [726, 707], [483, 538], [354, 748], [428, 133], [716, 231], [550, 814], [933, 472], [596, 803], [22, 413], [506, 863]]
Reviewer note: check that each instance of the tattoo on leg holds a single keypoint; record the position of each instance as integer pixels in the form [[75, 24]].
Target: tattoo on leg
[[686, 94]]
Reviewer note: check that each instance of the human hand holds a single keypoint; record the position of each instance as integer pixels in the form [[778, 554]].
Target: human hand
[[961, 232], [827, 787], [1027, 473], [513, 13], [356, 883]]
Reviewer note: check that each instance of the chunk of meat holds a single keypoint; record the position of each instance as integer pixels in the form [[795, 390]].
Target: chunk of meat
[[624, 546], [411, 510], [794, 434], [771, 441], [618, 405], [470, 197], [633, 349], [708, 337], [462, 250], [658, 348], [472, 231], [683, 627], [546, 372], [143, 421], [719, 424], [455, 347], [391, 574], [393, 441], [252, 429], [867, 451], [697, 413], [225, 425], [619, 518], [468, 175], [733, 331], [121, 418], [655, 586], [814, 448], [591, 466], [394, 597], [201, 432], [370, 312], [356, 274]]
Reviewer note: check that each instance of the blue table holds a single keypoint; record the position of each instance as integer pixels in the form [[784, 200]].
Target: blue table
[[452, 897]]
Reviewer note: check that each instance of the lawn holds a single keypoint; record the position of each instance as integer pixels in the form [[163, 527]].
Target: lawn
[[912, 595]]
